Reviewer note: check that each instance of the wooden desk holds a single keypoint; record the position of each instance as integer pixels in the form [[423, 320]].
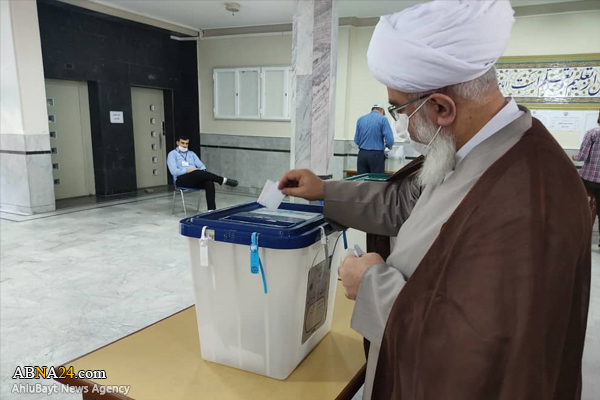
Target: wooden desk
[[163, 362]]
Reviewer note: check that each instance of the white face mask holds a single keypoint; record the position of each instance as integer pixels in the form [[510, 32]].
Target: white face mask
[[402, 131], [183, 149], [402, 128]]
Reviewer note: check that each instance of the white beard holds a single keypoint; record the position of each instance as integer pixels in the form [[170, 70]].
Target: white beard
[[441, 156]]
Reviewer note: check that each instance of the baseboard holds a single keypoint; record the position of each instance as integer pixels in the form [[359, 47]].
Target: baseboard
[[239, 190]]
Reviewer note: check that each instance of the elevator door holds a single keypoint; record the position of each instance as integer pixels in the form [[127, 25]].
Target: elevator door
[[149, 137], [70, 138]]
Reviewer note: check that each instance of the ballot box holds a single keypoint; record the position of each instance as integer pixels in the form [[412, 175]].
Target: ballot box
[[264, 283]]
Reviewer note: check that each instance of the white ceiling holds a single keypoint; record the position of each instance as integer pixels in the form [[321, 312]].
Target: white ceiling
[[211, 14]]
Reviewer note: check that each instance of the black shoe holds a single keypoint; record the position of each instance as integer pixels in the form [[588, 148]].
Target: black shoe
[[231, 182]]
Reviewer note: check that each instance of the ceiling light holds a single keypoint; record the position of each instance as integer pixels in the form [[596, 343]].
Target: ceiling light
[[232, 7]]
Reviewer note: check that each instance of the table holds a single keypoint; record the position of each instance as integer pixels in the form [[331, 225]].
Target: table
[[349, 173], [368, 178], [162, 361]]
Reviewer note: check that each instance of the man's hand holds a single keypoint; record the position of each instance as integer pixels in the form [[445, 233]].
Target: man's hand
[[352, 270], [191, 170], [302, 183]]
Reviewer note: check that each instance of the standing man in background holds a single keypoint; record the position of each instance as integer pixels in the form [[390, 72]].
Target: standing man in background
[[589, 153], [373, 135], [188, 171]]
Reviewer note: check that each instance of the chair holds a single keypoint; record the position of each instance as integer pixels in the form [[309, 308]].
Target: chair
[[182, 190]]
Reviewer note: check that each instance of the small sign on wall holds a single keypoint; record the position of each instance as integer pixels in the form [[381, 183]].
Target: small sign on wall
[[116, 117]]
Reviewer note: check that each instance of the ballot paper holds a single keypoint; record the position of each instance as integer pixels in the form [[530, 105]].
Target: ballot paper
[[271, 197], [358, 251]]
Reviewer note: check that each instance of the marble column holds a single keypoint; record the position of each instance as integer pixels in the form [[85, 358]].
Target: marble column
[[314, 59], [26, 183]]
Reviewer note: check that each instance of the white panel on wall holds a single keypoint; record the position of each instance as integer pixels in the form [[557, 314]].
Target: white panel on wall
[[252, 93], [248, 93], [274, 93], [225, 84]]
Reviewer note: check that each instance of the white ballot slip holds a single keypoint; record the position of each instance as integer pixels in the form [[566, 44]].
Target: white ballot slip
[[358, 251], [271, 197]]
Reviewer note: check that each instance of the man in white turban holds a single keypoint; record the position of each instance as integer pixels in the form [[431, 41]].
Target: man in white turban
[[486, 291]]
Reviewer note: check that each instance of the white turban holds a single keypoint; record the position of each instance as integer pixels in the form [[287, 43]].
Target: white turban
[[440, 43]]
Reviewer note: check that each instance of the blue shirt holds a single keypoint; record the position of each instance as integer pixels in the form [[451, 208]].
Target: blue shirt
[[176, 160], [371, 130]]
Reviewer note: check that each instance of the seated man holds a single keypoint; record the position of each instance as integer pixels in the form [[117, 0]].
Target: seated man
[[188, 171]]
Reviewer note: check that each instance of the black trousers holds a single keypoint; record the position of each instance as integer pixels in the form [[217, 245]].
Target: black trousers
[[202, 180], [371, 161], [593, 189]]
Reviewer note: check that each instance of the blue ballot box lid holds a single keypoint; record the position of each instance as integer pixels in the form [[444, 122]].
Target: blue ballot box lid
[[291, 226]]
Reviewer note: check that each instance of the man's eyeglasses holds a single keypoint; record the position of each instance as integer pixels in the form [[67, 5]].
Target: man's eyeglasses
[[393, 110]]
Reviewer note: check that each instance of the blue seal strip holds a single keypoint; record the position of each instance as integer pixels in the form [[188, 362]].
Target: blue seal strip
[[255, 262]]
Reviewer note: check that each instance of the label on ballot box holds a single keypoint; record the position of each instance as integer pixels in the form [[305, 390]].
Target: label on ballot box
[[319, 278]]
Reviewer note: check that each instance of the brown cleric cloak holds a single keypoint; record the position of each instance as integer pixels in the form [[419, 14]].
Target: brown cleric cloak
[[497, 308]]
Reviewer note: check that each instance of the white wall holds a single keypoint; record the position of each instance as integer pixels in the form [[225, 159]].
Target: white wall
[[28, 57], [240, 52], [341, 83], [11, 121], [363, 90], [568, 33]]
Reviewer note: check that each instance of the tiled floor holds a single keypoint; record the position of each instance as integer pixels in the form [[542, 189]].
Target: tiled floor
[[76, 279]]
